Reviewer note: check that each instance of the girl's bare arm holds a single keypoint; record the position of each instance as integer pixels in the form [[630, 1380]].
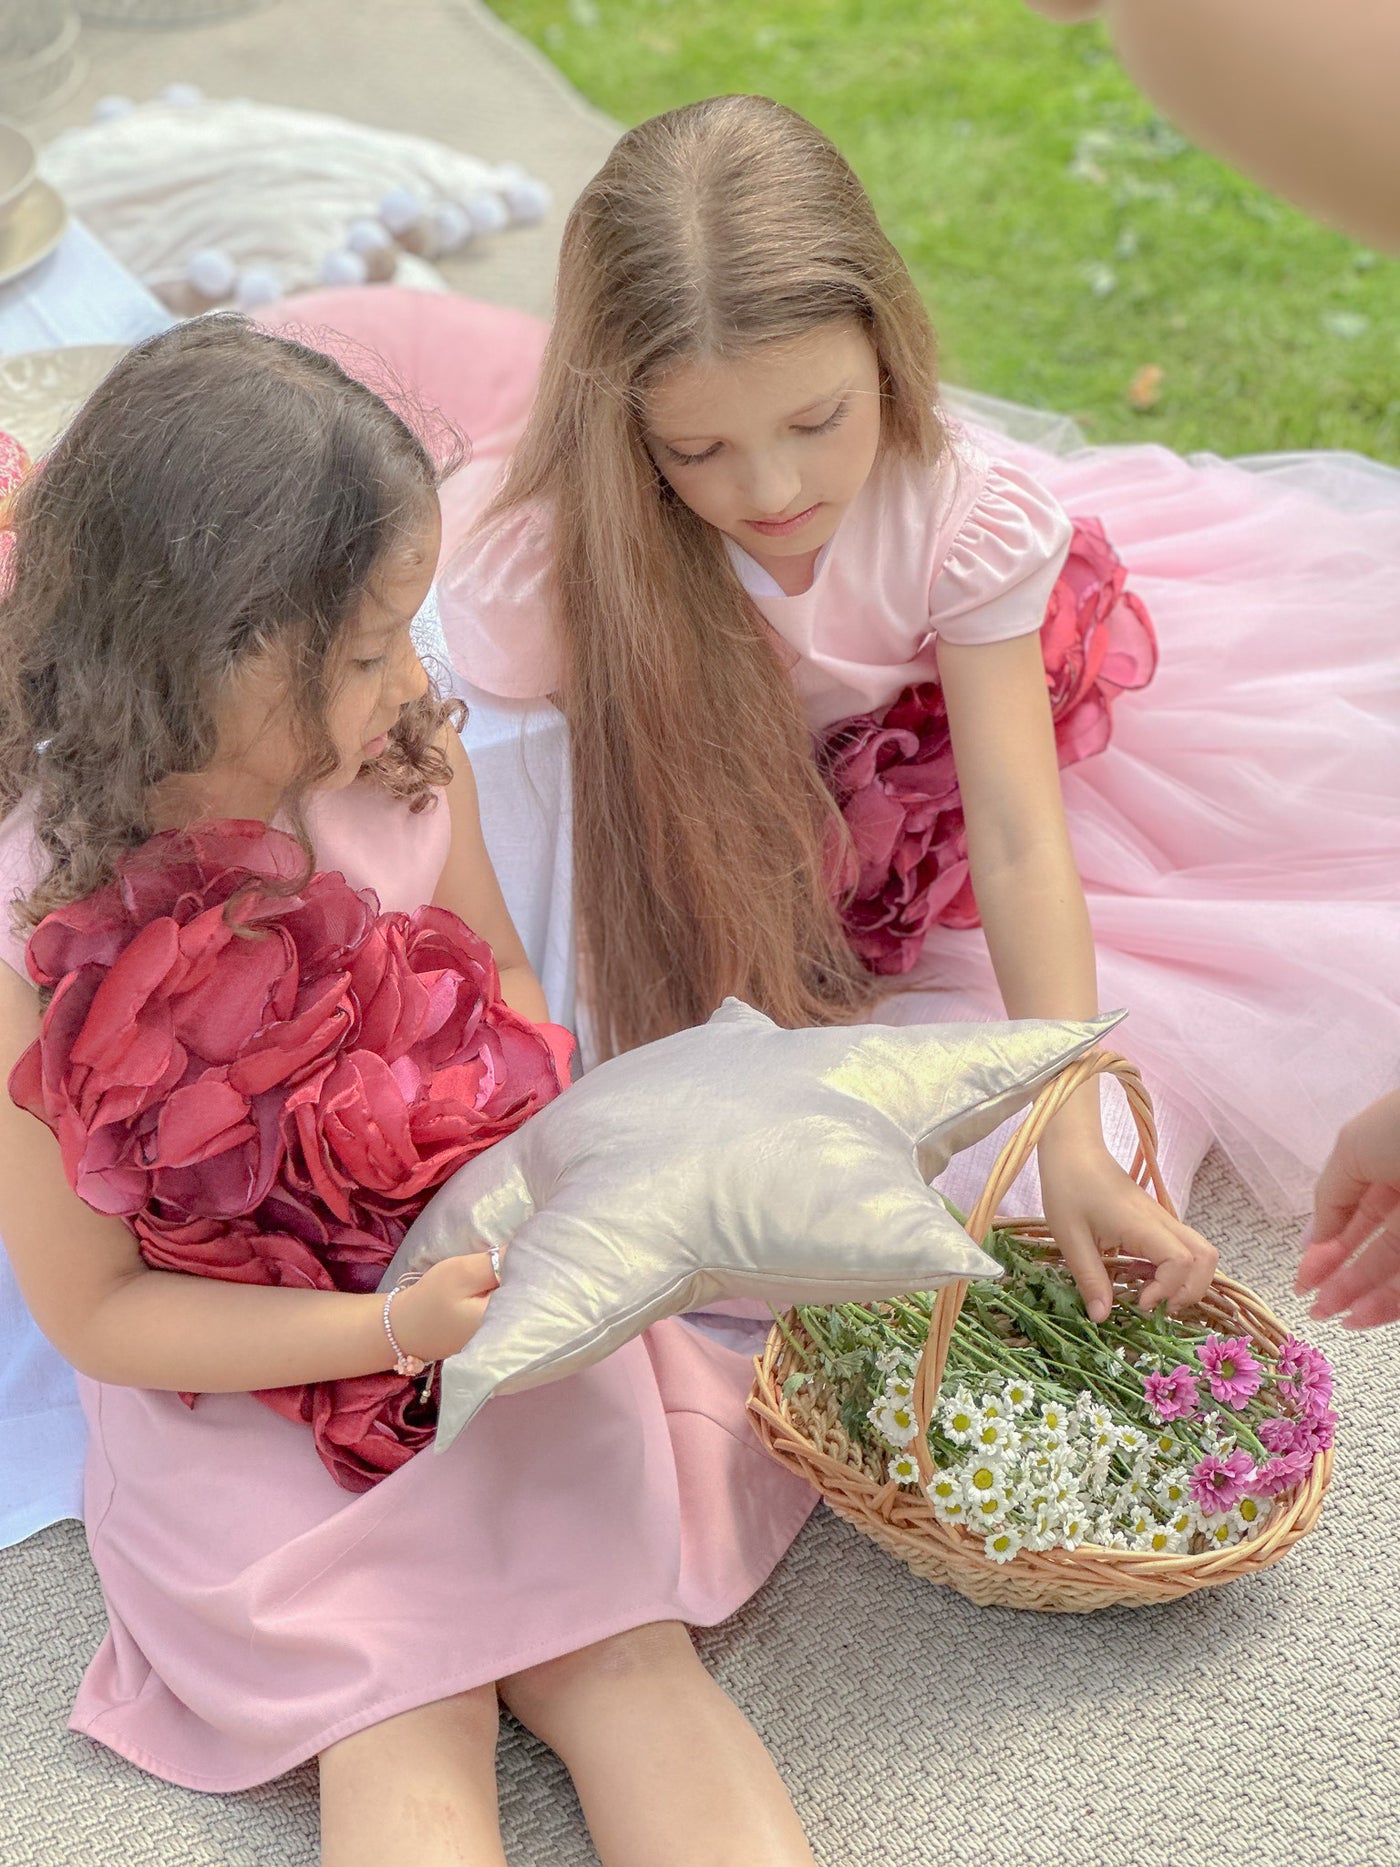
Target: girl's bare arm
[[117, 1320], [1041, 943]]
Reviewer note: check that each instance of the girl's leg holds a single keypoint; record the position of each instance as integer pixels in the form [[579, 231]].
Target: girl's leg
[[666, 1767], [418, 1790]]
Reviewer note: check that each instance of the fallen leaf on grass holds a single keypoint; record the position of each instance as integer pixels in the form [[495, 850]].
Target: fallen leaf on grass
[[1145, 387]]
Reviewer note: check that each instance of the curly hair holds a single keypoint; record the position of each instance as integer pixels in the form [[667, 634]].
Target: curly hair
[[221, 491]]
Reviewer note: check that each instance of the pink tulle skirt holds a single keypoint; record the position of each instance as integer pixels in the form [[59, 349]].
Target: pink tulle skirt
[[1239, 841]]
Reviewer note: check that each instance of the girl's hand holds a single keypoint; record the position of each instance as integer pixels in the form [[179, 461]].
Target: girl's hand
[[443, 1310], [1092, 1205], [1353, 1262]]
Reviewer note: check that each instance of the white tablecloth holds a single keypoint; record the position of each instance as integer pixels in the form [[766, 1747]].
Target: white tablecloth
[[79, 295]]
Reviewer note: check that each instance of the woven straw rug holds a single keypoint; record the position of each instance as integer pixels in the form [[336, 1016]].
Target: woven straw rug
[[1256, 1726]]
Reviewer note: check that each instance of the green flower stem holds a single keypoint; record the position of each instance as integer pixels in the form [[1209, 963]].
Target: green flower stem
[[791, 1340]]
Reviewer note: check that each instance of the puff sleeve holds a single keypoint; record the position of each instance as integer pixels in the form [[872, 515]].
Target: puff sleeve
[[996, 578], [496, 605]]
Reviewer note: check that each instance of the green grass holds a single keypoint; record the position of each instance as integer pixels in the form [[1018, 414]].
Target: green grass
[[1063, 236]]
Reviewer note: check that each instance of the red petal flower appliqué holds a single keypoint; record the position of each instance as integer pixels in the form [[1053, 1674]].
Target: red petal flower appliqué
[[267, 1086], [905, 869]]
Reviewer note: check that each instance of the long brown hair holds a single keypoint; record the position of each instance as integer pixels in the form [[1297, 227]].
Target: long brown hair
[[222, 488], [703, 832]]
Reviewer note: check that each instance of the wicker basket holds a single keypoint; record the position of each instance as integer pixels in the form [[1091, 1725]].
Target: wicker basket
[[804, 1432]]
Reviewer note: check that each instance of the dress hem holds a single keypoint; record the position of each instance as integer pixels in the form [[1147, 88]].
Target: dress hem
[[424, 1692]]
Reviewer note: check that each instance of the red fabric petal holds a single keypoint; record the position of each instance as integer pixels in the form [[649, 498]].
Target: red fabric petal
[[893, 777], [269, 1085]]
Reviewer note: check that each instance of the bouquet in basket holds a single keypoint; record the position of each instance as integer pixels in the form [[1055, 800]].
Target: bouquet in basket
[[1142, 1433]]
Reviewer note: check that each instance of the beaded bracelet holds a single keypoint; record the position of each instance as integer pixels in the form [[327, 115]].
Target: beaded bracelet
[[407, 1365], [411, 1365]]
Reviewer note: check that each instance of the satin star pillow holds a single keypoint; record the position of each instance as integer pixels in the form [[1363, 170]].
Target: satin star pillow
[[737, 1159]]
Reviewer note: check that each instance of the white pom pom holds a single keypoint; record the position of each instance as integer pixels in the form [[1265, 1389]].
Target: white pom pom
[[402, 209], [212, 272], [528, 200], [367, 236], [452, 226], [258, 285], [487, 212], [182, 96], [108, 109], [509, 172], [342, 267]]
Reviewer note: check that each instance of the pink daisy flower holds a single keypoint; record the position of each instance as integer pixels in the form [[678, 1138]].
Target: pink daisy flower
[[1218, 1484], [1173, 1396], [1292, 1356], [1321, 1429], [1283, 1473], [1309, 1385], [1233, 1375], [1283, 1435]]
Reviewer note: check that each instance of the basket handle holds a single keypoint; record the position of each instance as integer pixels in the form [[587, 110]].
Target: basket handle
[[1049, 1101]]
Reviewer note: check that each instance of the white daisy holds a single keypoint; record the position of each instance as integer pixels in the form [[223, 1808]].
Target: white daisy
[[895, 1423], [1250, 1513], [996, 1437], [1038, 1468], [1002, 1542], [1172, 1488], [1222, 1532], [1166, 1446], [899, 1387], [1095, 1471], [904, 1468], [1065, 1493], [1134, 1489], [944, 1486], [987, 1507], [949, 1510], [1073, 1529], [1018, 1395], [981, 1476], [1044, 1532], [1160, 1540], [1132, 1440], [959, 1418]]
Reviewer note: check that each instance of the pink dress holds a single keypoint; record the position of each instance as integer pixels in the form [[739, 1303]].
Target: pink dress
[[1239, 841], [259, 1613]]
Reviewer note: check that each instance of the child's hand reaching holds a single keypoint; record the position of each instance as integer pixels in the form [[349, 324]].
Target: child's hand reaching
[[1092, 1204], [1353, 1262], [440, 1313]]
